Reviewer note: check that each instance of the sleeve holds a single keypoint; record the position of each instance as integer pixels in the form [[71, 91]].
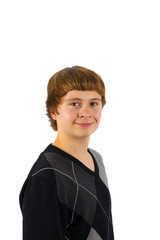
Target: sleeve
[[43, 215]]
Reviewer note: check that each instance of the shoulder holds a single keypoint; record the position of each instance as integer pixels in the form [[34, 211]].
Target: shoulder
[[41, 173], [98, 157], [40, 164], [43, 162], [101, 166], [40, 168]]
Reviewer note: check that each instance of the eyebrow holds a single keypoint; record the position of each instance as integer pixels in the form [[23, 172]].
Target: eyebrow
[[80, 99]]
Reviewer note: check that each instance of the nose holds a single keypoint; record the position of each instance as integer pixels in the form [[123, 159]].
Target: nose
[[84, 112]]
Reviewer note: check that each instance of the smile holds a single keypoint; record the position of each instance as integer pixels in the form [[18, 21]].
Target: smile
[[84, 124]]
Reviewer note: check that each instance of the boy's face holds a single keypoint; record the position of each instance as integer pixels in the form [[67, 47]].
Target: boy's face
[[79, 113]]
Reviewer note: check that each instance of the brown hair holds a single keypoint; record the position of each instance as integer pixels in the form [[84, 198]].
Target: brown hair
[[74, 78]]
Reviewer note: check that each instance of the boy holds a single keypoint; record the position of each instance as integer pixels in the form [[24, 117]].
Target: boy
[[65, 195]]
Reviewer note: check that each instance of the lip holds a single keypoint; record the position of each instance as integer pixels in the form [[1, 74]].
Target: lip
[[84, 124]]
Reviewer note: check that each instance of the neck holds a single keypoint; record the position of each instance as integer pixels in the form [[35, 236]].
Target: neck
[[75, 147]]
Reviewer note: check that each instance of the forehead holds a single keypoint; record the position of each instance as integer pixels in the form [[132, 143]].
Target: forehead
[[83, 95]]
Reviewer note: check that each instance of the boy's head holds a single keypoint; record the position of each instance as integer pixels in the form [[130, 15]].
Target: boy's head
[[68, 79]]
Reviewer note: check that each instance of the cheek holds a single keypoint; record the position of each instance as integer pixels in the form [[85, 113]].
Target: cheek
[[97, 114], [70, 114]]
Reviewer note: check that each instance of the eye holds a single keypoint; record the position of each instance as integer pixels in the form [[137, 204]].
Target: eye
[[75, 104], [94, 103]]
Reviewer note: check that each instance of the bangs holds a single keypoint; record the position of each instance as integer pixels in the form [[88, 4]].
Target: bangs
[[77, 78]]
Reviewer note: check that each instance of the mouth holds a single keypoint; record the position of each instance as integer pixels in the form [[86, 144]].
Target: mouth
[[84, 124]]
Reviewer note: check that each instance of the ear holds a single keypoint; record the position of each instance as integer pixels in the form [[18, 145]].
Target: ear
[[53, 115]]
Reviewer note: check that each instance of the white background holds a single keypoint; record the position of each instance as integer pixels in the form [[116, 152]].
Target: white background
[[120, 40]]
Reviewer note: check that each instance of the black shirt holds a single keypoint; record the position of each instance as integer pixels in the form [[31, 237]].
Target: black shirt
[[63, 199]]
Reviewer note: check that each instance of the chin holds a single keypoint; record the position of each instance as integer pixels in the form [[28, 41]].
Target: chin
[[86, 134]]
